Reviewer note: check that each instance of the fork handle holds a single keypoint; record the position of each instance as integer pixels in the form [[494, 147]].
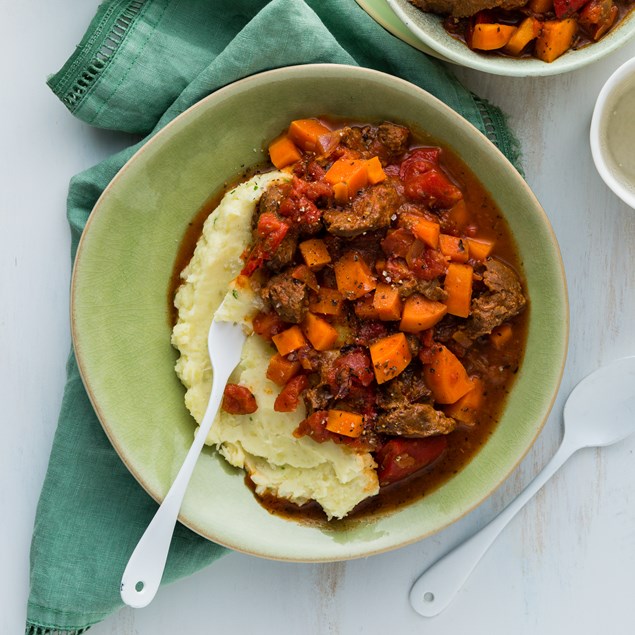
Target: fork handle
[[436, 587], [142, 575]]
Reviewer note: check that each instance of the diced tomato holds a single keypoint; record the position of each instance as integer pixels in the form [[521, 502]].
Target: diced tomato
[[399, 458], [238, 400], [314, 426], [268, 324], [289, 397], [426, 264], [341, 373], [271, 230], [433, 188], [369, 331], [397, 243], [566, 8], [418, 162], [358, 361], [299, 204], [598, 17]]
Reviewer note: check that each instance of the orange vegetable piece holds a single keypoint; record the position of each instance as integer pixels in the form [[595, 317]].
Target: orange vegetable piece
[[459, 214], [314, 253], [458, 285], [529, 29], [350, 424], [555, 38], [489, 37], [327, 302], [501, 336], [281, 370], [387, 302], [365, 308], [319, 332], [289, 340], [446, 376], [351, 173], [353, 276], [466, 408], [304, 274], [283, 152], [426, 231], [311, 135], [420, 314], [390, 355], [376, 173], [454, 248], [480, 248]]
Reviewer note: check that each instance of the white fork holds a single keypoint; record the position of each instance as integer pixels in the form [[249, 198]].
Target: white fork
[[143, 573]]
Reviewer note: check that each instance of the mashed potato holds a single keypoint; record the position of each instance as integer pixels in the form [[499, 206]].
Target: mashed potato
[[262, 443]]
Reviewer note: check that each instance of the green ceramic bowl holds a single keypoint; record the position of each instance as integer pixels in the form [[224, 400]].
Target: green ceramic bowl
[[121, 324], [428, 29]]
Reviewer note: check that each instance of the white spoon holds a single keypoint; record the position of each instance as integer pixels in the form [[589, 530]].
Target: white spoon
[[600, 411], [143, 573]]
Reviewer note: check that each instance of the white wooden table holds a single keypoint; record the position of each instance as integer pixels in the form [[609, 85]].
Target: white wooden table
[[566, 564]]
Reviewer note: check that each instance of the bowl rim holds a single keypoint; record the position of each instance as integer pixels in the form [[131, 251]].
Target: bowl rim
[[265, 76], [522, 67], [612, 85]]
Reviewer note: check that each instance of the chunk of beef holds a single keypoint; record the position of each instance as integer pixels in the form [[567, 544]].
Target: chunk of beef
[[283, 255], [391, 142], [317, 398], [370, 210], [407, 283], [288, 297], [464, 8], [417, 420], [405, 389], [388, 141], [503, 300], [271, 199]]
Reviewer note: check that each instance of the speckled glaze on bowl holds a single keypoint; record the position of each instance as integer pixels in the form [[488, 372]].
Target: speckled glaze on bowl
[[428, 28], [121, 325]]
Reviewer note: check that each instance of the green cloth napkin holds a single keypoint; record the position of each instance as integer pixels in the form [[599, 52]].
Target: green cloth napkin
[[140, 64]]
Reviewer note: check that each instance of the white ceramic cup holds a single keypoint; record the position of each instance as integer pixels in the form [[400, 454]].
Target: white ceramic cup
[[613, 132]]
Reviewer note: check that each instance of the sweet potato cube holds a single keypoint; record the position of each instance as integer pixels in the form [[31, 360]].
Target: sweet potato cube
[[281, 370], [480, 248], [420, 314], [501, 336], [555, 39], [290, 340], [387, 302], [390, 356], [454, 248], [349, 424], [283, 152], [376, 173], [326, 301], [352, 173], [458, 286], [365, 308], [311, 135], [490, 37], [466, 408], [446, 376], [529, 29], [319, 332], [353, 276], [314, 253]]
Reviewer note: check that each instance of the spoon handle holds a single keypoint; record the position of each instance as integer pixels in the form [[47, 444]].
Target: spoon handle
[[142, 575], [437, 586]]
